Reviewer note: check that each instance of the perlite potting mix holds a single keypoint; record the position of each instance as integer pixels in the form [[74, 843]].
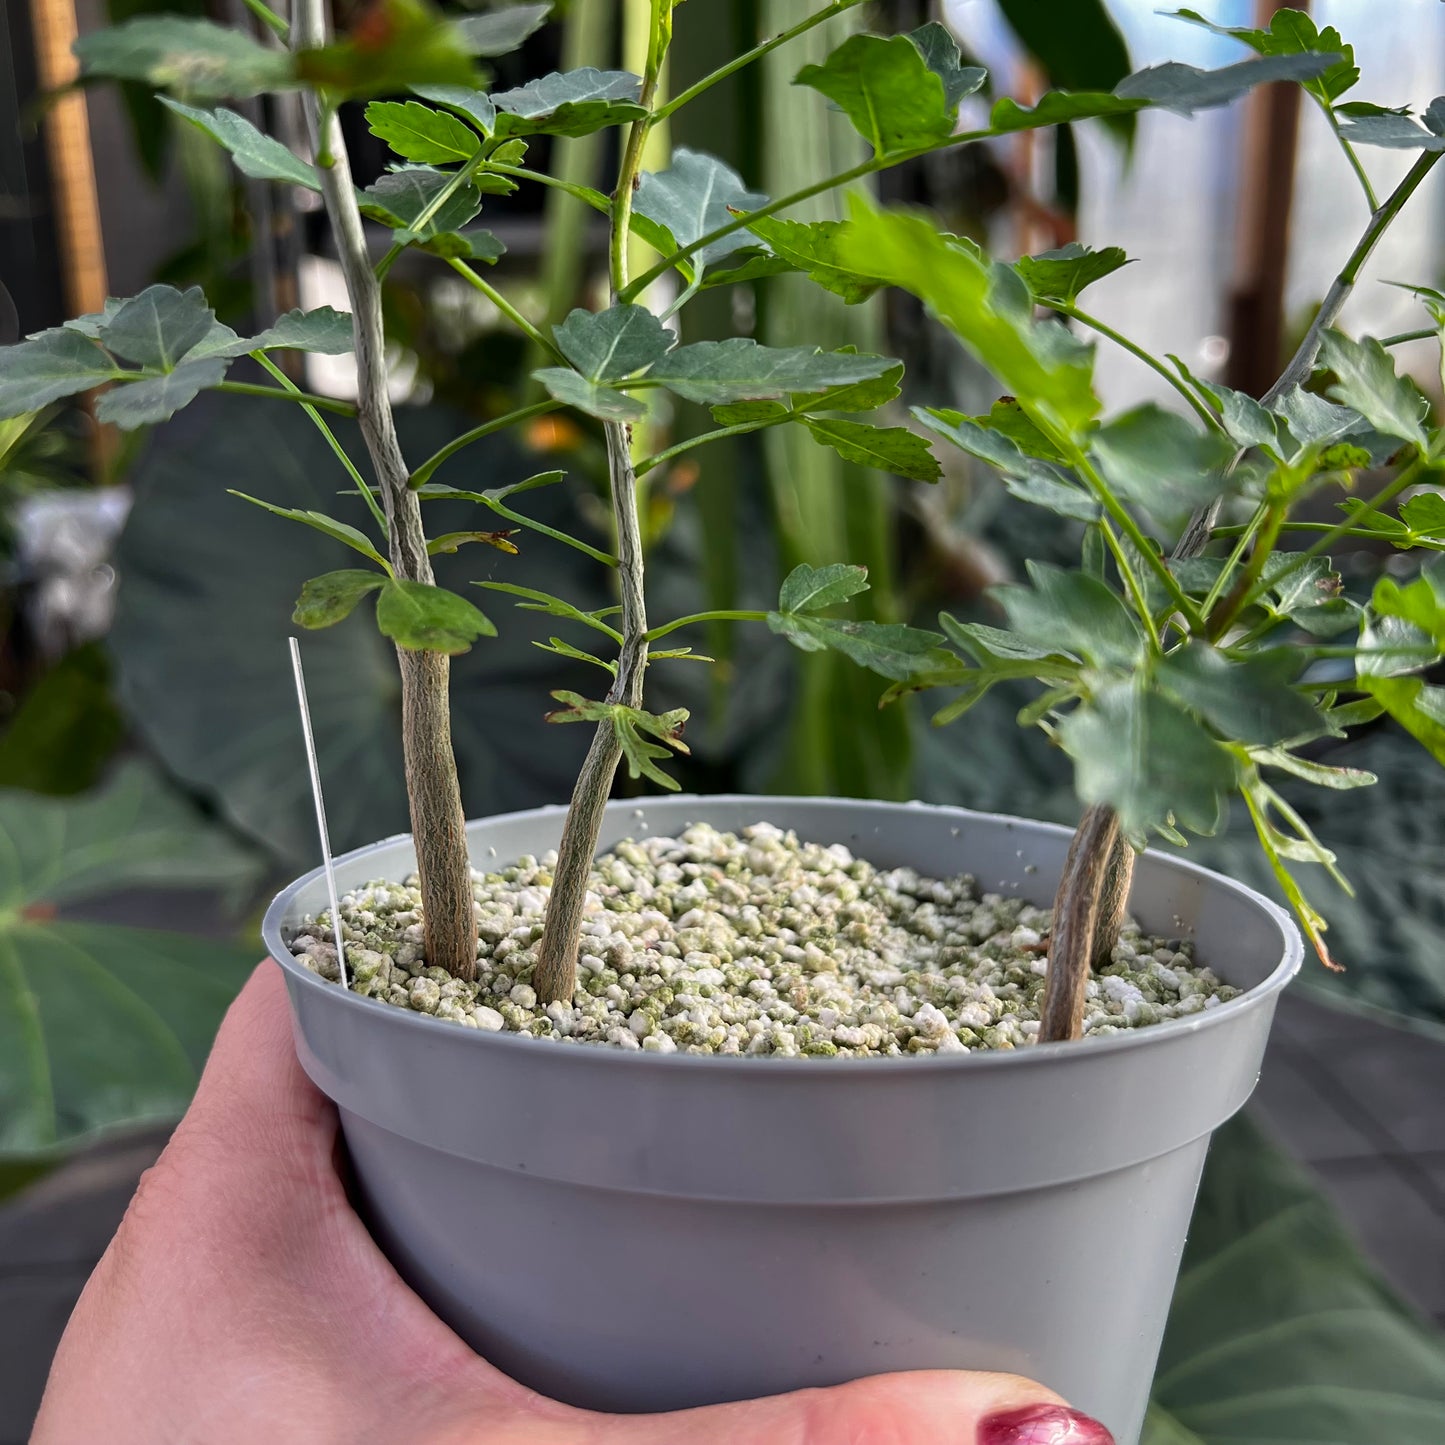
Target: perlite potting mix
[[754, 943]]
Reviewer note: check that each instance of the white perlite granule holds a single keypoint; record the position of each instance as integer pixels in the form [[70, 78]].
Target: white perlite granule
[[720, 943]]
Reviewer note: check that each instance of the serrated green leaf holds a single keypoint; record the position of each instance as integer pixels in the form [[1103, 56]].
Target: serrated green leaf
[[992, 646], [1313, 421], [573, 102], [1418, 707], [891, 649], [1247, 700], [475, 105], [399, 44], [610, 345], [1061, 275], [866, 395], [1424, 515], [1009, 419], [499, 32], [1366, 381], [327, 599], [562, 648], [1309, 594], [159, 326], [325, 331], [696, 194], [48, 366], [1059, 107], [477, 244], [1185, 89], [416, 132], [1395, 130], [399, 198], [1420, 602], [144, 403], [1293, 32], [906, 250], [740, 369], [1161, 461], [1246, 421], [255, 153], [629, 723], [812, 247], [1041, 487], [940, 53], [1148, 760], [886, 88], [1391, 647], [811, 589], [604, 402], [748, 413], [1073, 613], [424, 618], [536, 601], [190, 57], [339, 531], [891, 449]]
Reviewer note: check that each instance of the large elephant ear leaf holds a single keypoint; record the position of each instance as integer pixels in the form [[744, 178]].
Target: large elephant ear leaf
[[103, 1025], [1279, 1330]]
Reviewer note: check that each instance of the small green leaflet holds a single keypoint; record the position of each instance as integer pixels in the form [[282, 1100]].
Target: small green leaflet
[[340, 531], [1185, 89], [1059, 107], [886, 88], [1417, 706], [1061, 275], [630, 724], [1161, 461], [327, 599], [1396, 130], [144, 403], [739, 369], [1292, 32], [48, 366], [1365, 380], [812, 247], [1073, 613], [811, 589], [416, 132], [604, 402], [159, 326], [424, 618], [696, 194], [1246, 700], [477, 244], [536, 601], [475, 105], [499, 32], [399, 198], [255, 153], [613, 344], [573, 102], [323, 330], [1420, 602], [890, 449], [191, 57], [940, 53], [1007, 417]]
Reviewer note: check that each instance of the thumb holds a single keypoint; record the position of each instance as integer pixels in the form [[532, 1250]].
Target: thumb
[[935, 1407]]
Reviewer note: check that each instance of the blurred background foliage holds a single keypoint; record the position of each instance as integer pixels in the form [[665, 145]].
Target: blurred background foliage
[[143, 611]]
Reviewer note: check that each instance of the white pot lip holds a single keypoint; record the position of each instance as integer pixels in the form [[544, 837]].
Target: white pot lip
[[569, 1055]]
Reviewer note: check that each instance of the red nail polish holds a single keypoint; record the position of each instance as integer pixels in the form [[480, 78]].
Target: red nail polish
[[1042, 1425]]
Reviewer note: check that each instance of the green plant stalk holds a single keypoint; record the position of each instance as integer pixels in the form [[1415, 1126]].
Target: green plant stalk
[[555, 975], [424, 473], [1221, 618], [340, 451], [506, 308], [586, 548], [726, 615], [1351, 154], [433, 791], [307, 398], [280, 28], [679, 448]]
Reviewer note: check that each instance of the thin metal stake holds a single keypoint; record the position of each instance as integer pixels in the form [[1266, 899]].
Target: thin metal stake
[[320, 807]]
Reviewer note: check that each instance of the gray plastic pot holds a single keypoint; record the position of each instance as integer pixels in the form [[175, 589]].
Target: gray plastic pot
[[636, 1232]]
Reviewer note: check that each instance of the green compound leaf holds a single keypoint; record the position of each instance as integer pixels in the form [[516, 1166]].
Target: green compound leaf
[[811, 589], [48, 366], [1161, 461], [1061, 275], [144, 403], [1293, 32], [255, 154], [1038, 363], [416, 132], [1148, 759], [159, 326], [573, 102], [812, 247], [886, 88], [1073, 613], [740, 369], [191, 57], [604, 402], [327, 599], [1366, 381], [696, 194], [399, 199], [630, 724], [1279, 1329], [499, 32], [610, 345], [338, 531], [1247, 700], [891, 449], [424, 618]]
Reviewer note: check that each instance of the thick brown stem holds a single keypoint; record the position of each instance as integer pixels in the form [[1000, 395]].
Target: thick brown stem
[[555, 976], [1088, 909], [437, 820]]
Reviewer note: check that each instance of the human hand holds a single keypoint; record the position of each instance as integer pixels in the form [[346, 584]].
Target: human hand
[[242, 1300]]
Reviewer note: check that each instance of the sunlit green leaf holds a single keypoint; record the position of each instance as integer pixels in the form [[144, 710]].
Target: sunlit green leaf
[[1366, 381], [323, 330], [1186, 89], [1397, 131], [610, 345], [429, 619], [416, 132], [891, 449], [696, 194], [1293, 32], [399, 199], [812, 247], [475, 105], [811, 589], [159, 326], [1061, 275], [739, 369], [573, 102], [940, 53]]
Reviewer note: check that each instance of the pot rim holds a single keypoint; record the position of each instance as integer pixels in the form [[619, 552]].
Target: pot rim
[[1153, 1036]]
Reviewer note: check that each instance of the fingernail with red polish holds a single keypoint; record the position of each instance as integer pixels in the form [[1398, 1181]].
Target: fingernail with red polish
[[1042, 1425]]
